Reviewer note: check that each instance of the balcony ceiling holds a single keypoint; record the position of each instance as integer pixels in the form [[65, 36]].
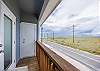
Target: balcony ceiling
[[32, 7], [33, 11]]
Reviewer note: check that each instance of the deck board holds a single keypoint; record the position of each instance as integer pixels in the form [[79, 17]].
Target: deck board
[[31, 62]]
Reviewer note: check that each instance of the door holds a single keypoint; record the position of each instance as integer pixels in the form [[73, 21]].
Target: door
[[7, 38], [27, 39]]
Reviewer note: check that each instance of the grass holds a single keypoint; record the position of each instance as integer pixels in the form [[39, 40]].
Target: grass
[[89, 44]]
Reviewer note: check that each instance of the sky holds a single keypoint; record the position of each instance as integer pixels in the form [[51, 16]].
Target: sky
[[84, 14]]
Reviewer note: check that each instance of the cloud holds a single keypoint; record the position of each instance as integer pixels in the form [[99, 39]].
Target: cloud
[[83, 13]]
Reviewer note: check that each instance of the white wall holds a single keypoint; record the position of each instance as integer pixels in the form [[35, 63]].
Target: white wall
[[27, 39]]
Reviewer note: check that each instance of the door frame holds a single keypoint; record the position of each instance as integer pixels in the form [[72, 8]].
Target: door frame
[[5, 11]]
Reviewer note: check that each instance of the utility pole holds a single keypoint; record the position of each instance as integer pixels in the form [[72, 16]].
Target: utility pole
[[73, 33], [47, 35], [53, 36]]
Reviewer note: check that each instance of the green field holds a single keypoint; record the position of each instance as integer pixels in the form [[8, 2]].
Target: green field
[[88, 44]]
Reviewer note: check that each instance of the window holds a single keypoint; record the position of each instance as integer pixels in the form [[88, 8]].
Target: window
[[7, 42], [75, 24], [73, 29]]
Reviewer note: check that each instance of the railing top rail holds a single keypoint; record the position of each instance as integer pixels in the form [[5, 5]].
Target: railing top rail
[[61, 63]]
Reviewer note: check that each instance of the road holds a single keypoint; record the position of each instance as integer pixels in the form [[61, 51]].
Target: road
[[90, 60]]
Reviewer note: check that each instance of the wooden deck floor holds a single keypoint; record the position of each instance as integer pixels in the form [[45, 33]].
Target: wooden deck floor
[[31, 62]]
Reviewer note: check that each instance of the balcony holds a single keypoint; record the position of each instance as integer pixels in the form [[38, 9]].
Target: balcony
[[46, 60], [35, 36]]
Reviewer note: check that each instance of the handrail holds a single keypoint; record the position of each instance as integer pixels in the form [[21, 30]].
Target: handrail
[[50, 61]]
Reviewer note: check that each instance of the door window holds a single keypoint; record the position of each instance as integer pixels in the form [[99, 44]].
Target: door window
[[7, 42]]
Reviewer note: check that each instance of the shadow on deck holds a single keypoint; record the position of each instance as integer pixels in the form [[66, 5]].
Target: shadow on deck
[[31, 62]]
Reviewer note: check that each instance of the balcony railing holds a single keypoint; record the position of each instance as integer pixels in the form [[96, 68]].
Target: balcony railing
[[50, 61]]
